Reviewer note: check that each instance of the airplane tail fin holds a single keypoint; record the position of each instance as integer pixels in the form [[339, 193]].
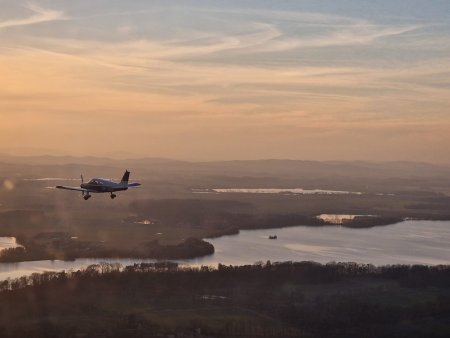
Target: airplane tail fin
[[125, 177]]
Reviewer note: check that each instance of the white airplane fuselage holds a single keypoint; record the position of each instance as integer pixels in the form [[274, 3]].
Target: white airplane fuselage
[[101, 185]]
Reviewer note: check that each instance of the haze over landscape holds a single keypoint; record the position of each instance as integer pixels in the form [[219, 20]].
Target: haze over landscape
[[206, 168], [214, 80]]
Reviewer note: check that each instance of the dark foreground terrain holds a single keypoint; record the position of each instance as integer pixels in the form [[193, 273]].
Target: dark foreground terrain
[[266, 300]]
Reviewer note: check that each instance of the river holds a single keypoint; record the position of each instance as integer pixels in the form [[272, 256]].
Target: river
[[408, 242]]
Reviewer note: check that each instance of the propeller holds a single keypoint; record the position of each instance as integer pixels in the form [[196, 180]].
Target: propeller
[[82, 181]]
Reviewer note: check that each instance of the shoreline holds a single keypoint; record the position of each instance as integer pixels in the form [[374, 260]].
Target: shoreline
[[191, 248]]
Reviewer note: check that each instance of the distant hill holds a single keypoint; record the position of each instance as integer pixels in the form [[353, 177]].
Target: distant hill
[[269, 167]]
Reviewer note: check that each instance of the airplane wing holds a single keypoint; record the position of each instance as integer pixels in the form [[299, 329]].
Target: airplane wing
[[74, 188]]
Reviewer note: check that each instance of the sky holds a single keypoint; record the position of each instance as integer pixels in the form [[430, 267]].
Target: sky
[[221, 80]]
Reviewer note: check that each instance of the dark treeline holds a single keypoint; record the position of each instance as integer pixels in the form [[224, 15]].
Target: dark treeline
[[288, 299], [60, 245], [221, 217]]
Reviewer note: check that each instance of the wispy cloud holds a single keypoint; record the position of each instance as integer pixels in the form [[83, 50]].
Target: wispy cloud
[[344, 36], [39, 15], [324, 30], [193, 72]]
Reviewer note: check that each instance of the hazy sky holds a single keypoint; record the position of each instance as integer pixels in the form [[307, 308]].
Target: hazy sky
[[305, 79]]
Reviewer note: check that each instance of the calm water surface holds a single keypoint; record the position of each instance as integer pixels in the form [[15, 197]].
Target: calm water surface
[[409, 242]]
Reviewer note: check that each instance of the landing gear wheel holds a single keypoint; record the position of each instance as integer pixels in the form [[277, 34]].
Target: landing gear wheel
[[113, 196], [86, 197]]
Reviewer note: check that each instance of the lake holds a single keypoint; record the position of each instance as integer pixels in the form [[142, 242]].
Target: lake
[[408, 242]]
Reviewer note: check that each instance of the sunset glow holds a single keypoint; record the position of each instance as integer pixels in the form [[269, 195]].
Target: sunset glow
[[209, 80]]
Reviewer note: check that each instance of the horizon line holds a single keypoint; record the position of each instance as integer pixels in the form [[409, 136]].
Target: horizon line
[[143, 158]]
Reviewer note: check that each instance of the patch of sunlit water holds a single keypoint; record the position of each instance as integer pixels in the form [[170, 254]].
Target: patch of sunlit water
[[339, 218], [145, 222], [306, 248], [8, 185], [8, 242], [294, 191]]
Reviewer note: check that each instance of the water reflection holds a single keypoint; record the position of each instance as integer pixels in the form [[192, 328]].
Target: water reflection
[[7, 242], [14, 270], [295, 191], [409, 242]]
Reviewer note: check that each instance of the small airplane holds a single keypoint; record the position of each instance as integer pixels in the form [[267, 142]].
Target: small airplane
[[101, 185]]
